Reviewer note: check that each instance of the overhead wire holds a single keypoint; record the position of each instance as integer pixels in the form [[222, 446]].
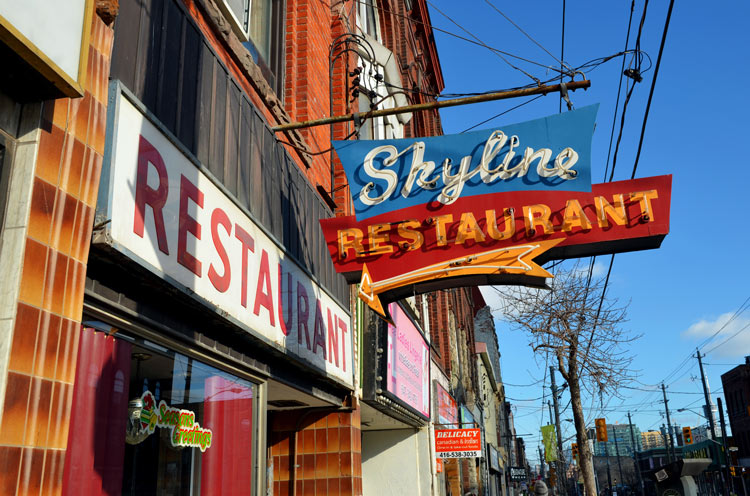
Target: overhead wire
[[628, 94], [501, 114], [538, 82], [729, 338], [653, 85], [468, 40], [559, 61]]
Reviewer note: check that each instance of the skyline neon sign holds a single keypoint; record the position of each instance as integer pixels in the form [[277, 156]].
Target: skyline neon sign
[[490, 220], [548, 154]]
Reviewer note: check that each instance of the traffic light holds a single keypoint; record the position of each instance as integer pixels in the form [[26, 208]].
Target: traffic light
[[687, 435], [574, 449], [601, 430], [733, 471]]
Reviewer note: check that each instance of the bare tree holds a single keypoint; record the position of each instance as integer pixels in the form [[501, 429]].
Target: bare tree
[[576, 324]]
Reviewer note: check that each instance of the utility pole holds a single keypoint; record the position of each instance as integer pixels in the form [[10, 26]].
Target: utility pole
[[606, 450], [635, 455], [724, 446], [488, 97], [709, 411], [669, 423], [560, 458], [617, 453]]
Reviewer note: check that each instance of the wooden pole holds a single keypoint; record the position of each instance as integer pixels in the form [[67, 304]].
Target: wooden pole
[[489, 97]]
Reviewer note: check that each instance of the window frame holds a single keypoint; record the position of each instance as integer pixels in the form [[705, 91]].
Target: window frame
[[272, 65]]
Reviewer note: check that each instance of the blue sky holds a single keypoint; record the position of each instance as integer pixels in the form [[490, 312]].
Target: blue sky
[[697, 130]]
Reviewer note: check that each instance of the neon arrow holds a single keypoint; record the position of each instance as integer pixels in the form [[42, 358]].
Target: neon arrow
[[510, 260]]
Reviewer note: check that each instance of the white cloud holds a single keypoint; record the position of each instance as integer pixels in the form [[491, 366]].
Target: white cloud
[[734, 347], [493, 298]]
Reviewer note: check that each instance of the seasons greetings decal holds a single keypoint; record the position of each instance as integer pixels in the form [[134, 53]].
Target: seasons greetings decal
[[185, 431]]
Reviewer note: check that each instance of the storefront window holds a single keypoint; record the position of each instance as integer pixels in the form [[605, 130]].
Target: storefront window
[[148, 420]]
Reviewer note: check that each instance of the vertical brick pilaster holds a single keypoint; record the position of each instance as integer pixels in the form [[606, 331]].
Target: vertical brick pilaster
[[327, 447], [44, 343]]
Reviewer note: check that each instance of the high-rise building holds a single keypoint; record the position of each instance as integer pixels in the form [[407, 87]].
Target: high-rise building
[[620, 441]]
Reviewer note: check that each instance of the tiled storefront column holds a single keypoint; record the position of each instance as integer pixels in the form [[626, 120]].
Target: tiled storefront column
[[328, 453], [44, 344]]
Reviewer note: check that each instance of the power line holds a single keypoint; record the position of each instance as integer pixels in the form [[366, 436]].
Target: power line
[[728, 339], [619, 88], [483, 43], [562, 56], [501, 113], [653, 84], [629, 92], [736, 314], [560, 60]]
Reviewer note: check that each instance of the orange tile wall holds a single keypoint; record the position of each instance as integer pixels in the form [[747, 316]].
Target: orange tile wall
[[328, 453], [34, 430]]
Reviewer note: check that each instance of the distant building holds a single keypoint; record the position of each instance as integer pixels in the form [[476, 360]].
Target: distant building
[[624, 441], [701, 433], [736, 384], [651, 440]]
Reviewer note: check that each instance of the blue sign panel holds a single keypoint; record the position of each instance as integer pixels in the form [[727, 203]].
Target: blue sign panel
[[552, 153]]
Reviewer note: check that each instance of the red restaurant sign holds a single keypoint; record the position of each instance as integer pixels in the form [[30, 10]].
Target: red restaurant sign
[[493, 238], [458, 443]]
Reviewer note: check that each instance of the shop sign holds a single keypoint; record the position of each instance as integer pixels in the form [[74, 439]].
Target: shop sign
[[438, 465], [549, 154], [467, 419], [458, 443], [518, 474], [408, 364], [52, 37], [704, 449], [447, 409], [495, 238], [549, 439], [185, 432], [174, 220], [494, 458]]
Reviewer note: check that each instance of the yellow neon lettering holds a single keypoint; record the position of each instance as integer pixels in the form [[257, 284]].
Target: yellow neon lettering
[[378, 239], [469, 229], [407, 230], [644, 198], [537, 215], [575, 217], [492, 230], [440, 222], [350, 239], [615, 210]]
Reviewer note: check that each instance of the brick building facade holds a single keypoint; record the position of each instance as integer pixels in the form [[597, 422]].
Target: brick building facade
[[122, 365]]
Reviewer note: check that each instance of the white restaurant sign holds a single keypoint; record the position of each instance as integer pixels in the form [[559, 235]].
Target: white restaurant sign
[[171, 218]]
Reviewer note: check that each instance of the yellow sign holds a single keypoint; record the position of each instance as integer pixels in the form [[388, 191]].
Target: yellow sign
[[510, 260]]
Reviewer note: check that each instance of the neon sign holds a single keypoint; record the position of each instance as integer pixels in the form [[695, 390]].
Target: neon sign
[[491, 237], [549, 154]]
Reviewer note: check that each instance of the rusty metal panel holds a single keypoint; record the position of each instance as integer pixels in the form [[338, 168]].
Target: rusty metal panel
[[205, 93], [244, 185], [149, 42], [256, 174], [125, 49], [187, 126], [232, 142], [169, 65], [218, 123]]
